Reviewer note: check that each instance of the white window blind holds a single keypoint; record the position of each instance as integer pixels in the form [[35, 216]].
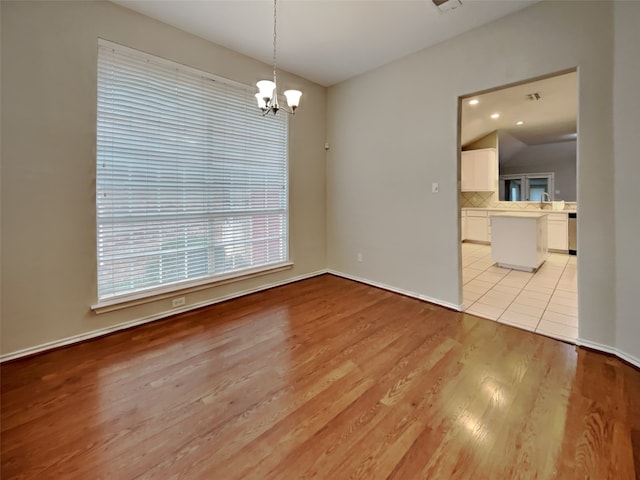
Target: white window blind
[[191, 179]]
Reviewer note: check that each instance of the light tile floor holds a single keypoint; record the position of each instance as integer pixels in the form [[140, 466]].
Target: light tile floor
[[545, 301]]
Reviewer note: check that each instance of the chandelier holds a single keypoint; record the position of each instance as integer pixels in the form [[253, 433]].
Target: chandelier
[[268, 91]]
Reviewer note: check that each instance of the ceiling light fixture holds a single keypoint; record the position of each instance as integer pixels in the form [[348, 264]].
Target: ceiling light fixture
[[520, 122], [268, 91], [495, 115], [475, 101]]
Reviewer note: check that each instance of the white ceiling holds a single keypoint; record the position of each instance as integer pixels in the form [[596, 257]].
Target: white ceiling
[[325, 41], [552, 118], [329, 41]]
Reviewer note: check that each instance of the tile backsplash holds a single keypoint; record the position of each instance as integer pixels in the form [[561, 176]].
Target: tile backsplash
[[477, 199], [489, 200]]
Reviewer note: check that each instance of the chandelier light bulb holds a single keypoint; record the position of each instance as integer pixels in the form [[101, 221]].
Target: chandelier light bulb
[[265, 89], [293, 98], [262, 103]]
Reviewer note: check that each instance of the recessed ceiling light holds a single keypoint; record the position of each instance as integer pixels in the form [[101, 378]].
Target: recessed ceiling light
[[475, 101], [495, 115], [520, 123]]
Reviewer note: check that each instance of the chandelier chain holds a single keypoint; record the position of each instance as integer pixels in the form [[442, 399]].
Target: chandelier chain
[[275, 19]]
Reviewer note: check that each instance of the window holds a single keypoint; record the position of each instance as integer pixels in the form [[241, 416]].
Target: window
[[528, 187], [192, 182]]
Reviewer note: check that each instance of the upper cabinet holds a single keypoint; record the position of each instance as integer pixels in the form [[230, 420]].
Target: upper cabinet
[[479, 170]]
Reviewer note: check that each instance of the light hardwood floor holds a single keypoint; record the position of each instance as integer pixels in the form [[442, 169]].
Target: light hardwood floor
[[325, 378]]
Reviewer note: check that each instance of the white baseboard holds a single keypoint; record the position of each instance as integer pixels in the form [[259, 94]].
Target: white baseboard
[[141, 321], [579, 342], [606, 349], [397, 290]]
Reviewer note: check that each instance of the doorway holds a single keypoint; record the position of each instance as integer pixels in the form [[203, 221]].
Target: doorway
[[531, 131]]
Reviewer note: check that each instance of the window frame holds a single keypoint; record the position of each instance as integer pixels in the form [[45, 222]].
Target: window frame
[[525, 179], [159, 291]]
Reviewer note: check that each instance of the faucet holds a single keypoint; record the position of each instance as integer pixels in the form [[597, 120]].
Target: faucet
[[542, 199]]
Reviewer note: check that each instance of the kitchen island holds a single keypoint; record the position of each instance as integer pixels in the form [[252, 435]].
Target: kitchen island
[[519, 240]]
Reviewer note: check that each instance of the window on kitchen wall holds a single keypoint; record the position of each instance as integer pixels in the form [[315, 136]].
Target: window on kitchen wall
[[192, 182], [527, 187]]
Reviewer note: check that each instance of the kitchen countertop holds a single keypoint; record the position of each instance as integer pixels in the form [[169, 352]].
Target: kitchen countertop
[[531, 214], [520, 210]]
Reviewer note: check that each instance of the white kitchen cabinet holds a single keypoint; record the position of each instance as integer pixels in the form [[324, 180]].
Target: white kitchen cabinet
[[463, 225], [479, 170], [558, 224], [477, 226]]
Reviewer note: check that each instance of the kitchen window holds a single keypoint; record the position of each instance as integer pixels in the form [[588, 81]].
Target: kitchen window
[[192, 181], [526, 187]]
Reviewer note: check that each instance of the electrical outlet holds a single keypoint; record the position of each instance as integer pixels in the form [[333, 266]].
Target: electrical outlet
[[178, 302], [360, 257]]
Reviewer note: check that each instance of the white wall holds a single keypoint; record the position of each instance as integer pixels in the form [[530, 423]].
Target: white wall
[[626, 109], [394, 131], [559, 158], [48, 163], [509, 145]]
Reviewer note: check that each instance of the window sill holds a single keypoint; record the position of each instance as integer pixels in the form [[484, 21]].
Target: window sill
[[127, 301]]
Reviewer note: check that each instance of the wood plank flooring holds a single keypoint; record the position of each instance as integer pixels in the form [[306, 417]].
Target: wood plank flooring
[[327, 379]]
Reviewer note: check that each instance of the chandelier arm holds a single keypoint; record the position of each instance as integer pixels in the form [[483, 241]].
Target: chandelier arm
[[275, 110]]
